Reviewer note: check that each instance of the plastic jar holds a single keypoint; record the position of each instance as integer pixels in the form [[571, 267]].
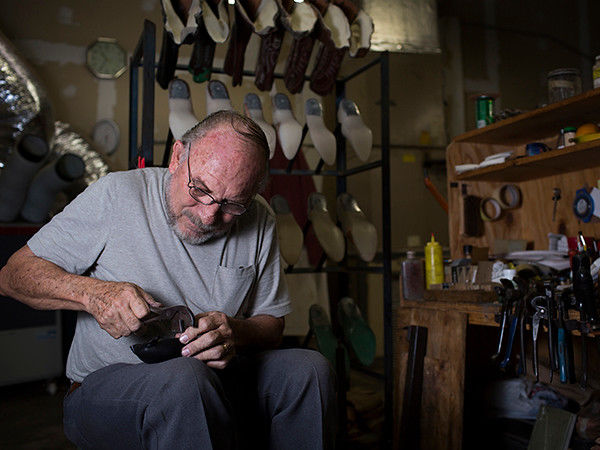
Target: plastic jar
[[413, 278], [563, 83]]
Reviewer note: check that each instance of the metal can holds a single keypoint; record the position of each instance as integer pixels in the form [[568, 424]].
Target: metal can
[[485, 111]]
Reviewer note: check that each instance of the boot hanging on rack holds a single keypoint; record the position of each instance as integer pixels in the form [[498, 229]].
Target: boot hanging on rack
[[180, 26]]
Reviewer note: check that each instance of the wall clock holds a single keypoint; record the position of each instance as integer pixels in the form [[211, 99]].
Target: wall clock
[[106, 59], [106, 135]]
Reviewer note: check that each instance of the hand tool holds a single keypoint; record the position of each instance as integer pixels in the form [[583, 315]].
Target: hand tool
[[541, 312], [549, 293], [503, 296], [555, 199], [583, 284], [517, 299], [562, 343]]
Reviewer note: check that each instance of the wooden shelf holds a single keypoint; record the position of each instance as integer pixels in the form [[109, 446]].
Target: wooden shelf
[[554, 162], [540, 123]]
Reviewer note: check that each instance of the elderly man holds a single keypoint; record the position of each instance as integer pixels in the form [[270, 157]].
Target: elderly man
[[195, 234]]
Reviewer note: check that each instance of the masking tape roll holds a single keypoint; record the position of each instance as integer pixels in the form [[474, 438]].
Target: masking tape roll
[[508, 195], [486, 204]]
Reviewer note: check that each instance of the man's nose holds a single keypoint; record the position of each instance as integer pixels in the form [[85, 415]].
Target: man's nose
[[209, 213]]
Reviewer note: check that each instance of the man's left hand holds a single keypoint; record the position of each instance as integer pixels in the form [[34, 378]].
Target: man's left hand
[[211, 340]]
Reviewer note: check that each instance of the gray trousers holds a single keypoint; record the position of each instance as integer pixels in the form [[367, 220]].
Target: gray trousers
[[279, 399]]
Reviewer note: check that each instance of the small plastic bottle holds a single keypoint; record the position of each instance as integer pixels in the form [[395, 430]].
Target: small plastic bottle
[[413, 279], [434, 264]]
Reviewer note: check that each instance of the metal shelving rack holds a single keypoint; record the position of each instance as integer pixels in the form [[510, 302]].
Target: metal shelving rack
[[147, 46]]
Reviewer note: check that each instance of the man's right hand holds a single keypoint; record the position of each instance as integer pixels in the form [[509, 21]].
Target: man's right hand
[[118, 306]]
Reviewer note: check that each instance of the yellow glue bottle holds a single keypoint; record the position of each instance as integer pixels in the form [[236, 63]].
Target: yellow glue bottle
[[434, 264]]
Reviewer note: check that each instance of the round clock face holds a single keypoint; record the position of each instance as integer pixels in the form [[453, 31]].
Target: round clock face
[[106, 58], [106, 135]]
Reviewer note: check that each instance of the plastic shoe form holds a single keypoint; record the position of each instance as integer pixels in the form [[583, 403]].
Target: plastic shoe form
[[52, 179], [217, 97], [253, 109], [330, 237], [327, 343], [354, 129], [356, 227], [289, 131], [15, 177], [289, 233], [181, 111], [357, 333], [321, 137]]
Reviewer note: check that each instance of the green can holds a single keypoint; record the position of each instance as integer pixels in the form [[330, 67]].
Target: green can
[[485, 111]]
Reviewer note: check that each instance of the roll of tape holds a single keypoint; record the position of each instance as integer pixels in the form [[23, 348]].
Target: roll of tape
[[583, 205], [508, 195], [487, 204]]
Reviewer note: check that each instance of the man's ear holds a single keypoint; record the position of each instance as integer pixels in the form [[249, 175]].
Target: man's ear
[[178, 149]]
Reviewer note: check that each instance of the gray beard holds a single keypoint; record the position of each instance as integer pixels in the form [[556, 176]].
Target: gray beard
[[203, 234]]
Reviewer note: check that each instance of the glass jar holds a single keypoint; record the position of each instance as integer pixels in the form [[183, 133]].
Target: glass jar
[[596, 72], [413, 280], [563, 83]]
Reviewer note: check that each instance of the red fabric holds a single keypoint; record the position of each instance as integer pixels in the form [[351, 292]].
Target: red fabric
[[295, 189]]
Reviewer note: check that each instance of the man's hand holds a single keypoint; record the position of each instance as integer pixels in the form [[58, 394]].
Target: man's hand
[[211, 341], [118, 307]]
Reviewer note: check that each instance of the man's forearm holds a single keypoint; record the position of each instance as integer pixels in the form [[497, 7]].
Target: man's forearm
[[40, 283]]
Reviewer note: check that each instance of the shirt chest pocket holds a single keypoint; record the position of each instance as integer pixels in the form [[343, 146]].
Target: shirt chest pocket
[[231, 287]]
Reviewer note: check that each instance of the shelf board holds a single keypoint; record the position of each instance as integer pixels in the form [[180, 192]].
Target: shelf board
[[540, 123], [554, 162]]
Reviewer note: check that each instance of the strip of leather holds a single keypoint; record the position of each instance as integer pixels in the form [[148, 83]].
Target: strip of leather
[[270, 47], [329, 61], [203, 53], [238, 42], [297, 63]]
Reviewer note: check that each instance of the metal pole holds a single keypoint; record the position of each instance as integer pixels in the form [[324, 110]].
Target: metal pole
[[387, 245]]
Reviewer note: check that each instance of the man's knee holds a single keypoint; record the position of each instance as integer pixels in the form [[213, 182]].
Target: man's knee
[[304, 366], [183, 379]]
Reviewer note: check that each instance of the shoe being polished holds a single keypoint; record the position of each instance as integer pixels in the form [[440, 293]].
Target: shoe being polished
[[356, 227], [330, 237], [289, 233]]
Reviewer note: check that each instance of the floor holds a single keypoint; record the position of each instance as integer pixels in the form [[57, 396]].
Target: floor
[[31, 414]]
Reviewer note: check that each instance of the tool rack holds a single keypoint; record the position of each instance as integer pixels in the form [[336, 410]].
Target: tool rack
[[147, 46]]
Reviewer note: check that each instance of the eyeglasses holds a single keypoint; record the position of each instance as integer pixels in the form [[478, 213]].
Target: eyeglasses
[[200, 195]]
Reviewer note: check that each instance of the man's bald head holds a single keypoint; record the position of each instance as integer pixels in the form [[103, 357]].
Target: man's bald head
[[246, 129]]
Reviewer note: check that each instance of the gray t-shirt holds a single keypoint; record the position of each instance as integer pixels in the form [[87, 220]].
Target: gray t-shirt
[[117, 230]]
